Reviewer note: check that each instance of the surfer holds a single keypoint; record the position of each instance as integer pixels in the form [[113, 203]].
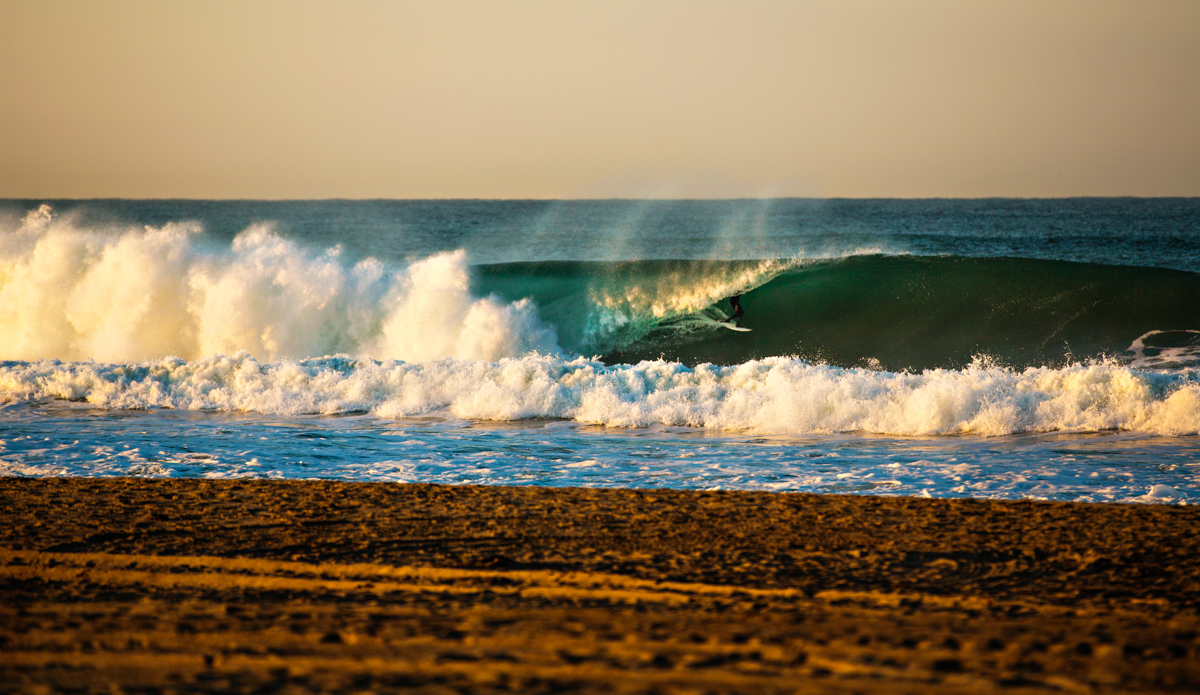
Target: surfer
[[735, 302]]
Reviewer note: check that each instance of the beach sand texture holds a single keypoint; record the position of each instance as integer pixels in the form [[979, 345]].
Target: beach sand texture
[[157, 586]]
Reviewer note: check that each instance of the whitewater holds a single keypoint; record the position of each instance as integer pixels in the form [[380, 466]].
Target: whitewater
[[1010, 349]]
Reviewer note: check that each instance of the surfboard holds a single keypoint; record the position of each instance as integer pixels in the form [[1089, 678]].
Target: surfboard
[[731, 326], [723, 324]]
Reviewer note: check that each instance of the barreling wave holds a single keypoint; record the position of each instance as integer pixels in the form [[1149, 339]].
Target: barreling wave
[[862, 342], [75, 293], [891, 312], [780, 395], [604, 308]]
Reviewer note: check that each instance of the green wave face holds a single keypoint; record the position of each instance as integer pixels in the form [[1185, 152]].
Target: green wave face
[[598, 308], [890, 312]]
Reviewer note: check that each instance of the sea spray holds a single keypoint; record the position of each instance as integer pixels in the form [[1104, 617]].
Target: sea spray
[[72, 293]]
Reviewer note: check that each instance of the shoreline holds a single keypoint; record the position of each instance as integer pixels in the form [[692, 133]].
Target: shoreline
[[236, 585]]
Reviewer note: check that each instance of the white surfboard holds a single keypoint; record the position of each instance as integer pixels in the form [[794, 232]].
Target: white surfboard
[[731, 326]]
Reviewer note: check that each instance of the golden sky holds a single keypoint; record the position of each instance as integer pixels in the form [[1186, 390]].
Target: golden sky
[[646, 98]]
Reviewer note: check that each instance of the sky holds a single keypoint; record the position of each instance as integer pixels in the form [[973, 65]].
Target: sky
[[641, 99]]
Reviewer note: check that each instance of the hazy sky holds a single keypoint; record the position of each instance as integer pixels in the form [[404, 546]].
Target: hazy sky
[[515, 99]]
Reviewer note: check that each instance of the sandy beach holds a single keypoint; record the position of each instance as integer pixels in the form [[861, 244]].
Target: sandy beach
[[137, 585]]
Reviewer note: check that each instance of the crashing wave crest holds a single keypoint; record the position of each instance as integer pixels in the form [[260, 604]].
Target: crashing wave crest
[[773, 395], [73, 293]]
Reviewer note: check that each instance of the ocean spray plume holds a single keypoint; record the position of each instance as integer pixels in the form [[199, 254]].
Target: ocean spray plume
[[71, 293], [434, 316], [74, 293], [776, 395]]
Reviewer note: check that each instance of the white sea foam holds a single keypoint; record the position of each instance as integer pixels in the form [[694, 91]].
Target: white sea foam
[[1167, 350], [73, 293], [779, 395]]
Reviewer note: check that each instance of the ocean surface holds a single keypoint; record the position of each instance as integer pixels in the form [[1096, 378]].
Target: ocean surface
[[1037, 349]]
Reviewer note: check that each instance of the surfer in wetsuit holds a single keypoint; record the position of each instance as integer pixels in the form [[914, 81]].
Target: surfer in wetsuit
[[735, 302]]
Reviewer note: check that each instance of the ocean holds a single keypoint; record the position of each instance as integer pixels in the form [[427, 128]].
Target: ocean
[[1011, 349]]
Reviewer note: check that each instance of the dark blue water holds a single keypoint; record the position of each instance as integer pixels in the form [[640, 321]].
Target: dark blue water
[[1157, 232]]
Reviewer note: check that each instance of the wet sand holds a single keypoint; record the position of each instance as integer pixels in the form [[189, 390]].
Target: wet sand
[[132, 585]]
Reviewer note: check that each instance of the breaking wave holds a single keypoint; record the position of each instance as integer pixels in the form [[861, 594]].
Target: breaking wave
[[71, 293], [782, 395], [74, 293], [862, 342]]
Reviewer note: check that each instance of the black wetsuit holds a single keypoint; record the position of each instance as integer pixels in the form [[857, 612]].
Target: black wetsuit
[[736, 303]]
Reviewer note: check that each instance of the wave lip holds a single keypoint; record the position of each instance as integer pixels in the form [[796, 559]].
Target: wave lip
[[775, 395]]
